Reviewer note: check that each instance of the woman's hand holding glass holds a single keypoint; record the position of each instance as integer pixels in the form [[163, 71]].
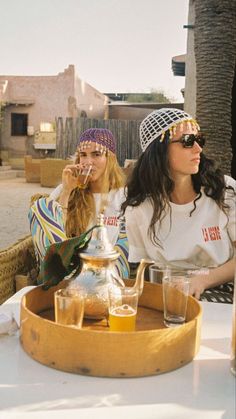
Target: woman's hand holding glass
[[69, 178], [75, 175]]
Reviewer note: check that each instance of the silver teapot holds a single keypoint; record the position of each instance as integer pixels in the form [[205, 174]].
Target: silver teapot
[[98, 273]]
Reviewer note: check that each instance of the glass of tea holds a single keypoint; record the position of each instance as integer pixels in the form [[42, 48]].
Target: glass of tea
[[123, 303], [69, 307], [83, 176], [157, 272]]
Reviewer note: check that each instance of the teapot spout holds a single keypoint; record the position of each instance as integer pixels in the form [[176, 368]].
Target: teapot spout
[[139, 283]]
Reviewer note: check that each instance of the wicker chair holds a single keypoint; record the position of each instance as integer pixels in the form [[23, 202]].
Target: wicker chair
[[16, 259]]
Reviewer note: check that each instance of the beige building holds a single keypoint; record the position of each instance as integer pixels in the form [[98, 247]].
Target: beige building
[[30, 105]]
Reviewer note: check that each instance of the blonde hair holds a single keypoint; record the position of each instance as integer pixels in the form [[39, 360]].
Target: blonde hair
[[81, 206]]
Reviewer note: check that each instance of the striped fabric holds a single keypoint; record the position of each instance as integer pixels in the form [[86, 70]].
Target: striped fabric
[[122, 247], [47, 227]]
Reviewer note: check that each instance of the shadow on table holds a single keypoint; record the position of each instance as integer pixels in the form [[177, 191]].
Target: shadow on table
[[218, 345], [203, 385]]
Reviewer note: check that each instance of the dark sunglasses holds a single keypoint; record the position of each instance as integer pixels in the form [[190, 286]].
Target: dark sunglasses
[[188, 140]]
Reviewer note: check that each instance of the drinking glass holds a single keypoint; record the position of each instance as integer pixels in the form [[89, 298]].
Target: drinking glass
[[69, 307], [83, 176], [157, 272], [175, 297], [123, 303]]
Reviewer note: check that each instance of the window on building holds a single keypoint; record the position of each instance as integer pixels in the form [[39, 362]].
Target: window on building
[[83, 114], [19, 122]]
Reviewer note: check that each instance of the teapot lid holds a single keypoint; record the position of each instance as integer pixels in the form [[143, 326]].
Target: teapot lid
[[99, 246]]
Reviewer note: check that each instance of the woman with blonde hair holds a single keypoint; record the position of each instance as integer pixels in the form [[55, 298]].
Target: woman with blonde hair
[[71, 210]]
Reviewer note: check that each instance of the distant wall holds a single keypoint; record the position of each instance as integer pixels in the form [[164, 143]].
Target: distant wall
[[137, 111], [90, 102], [125, 112]]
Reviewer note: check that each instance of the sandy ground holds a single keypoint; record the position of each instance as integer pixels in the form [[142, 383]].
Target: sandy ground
[[15, 196]]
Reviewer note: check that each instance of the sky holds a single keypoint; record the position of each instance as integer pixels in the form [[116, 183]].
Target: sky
[[115, 45]]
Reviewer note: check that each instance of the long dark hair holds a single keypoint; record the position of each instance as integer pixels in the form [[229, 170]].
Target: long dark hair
[[151, 179]]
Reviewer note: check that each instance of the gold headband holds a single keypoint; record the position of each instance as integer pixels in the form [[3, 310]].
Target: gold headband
[[87, 144], [191, 123]]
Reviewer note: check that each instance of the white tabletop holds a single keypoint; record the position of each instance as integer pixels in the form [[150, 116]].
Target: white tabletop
[[205, 388]]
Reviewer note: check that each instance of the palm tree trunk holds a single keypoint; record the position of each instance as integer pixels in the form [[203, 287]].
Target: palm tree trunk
[[233, 139], [215, 53]]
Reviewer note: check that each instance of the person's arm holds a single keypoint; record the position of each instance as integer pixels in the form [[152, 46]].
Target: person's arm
[[46, 225], [224, 273], [137, 249], [216, 276], [47, 216]]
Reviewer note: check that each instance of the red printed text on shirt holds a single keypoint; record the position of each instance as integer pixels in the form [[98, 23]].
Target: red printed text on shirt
[[111, 221], [211, 233]]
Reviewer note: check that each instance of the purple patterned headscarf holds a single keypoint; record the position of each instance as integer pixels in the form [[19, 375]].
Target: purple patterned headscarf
[[101, 136]]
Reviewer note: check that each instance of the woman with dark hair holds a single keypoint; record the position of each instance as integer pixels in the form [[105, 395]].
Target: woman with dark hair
[[180, 209], [72, 208]]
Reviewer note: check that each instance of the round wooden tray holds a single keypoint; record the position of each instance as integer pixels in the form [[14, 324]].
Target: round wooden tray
[[94, 350]]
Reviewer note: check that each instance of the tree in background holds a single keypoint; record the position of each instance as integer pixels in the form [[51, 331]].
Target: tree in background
[[1, 106], [215, 53], [154, 96]]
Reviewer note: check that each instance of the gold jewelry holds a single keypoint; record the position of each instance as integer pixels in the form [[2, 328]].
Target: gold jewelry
[[104, 202]]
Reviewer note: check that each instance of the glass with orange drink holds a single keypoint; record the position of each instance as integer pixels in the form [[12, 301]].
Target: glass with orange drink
[[84, 176], [123, 303]]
